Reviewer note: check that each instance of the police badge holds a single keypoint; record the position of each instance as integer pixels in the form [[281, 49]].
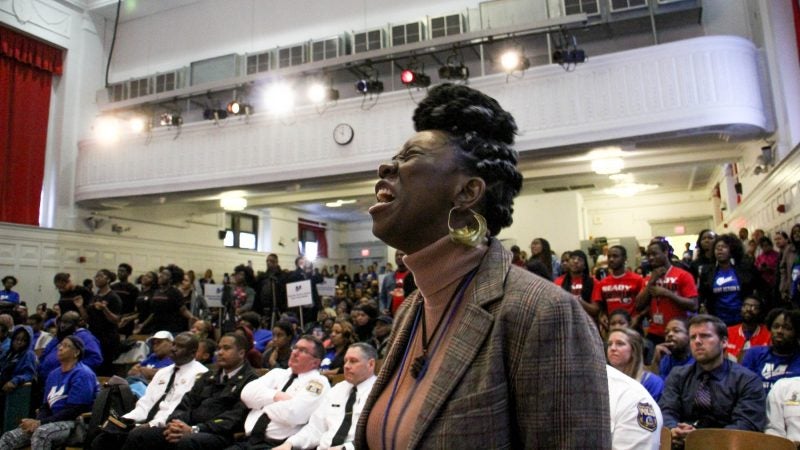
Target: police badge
[[647, 417]]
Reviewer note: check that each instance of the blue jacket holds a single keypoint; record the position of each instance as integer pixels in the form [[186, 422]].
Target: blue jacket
[[24, 363], [92, 357]]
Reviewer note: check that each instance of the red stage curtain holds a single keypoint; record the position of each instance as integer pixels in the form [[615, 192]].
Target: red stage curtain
[[26, 70], [318, 229]]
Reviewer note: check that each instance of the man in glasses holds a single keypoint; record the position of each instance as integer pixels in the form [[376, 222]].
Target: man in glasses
[[282, 401]]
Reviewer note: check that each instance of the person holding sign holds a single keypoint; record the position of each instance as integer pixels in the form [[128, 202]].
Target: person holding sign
[[480, 352]]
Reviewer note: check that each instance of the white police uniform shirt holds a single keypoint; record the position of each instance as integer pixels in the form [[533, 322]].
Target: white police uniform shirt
[[635, 417], [783, 409], [326, 420], [286, 417], [184, 380]]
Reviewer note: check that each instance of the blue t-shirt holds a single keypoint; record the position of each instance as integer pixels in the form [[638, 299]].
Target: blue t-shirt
[[77, 386], [330, 355], [153, 362], [654, 384], [728, 305], [771, 367], [668, 363], [262, 338], [9, 296]]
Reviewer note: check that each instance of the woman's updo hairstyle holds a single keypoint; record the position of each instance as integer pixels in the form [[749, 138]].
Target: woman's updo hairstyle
[[482, 132]]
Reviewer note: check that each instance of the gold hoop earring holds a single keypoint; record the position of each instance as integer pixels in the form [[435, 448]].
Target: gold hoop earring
[[466, 235]]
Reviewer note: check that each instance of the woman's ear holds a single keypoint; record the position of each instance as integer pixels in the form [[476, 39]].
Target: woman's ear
[[471, 193]]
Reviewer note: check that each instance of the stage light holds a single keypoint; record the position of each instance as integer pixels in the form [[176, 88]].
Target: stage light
[[215, 114], [454, 72], [608, 166], [572, 56], [513, 61], [107, 129], [410, 77], [280, 98], [137, 124], [236, 107], [171, 120], [365, 86], [319, 93]]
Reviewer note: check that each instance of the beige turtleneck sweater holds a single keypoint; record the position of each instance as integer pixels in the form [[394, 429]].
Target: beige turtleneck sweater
[[438, 270]]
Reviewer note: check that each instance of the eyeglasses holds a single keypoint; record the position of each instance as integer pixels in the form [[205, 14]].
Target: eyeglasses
[[303, 350]]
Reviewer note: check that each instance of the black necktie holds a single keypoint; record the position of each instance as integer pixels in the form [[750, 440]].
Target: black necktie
[[260, 428], [224, 378], [154, 409], [702, 397], [341, 434]]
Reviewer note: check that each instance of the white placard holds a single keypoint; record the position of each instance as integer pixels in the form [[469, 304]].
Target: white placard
[[213, 294], [327, 288], [299, 293]]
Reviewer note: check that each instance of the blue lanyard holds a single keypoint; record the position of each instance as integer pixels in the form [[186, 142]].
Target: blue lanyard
[[460, 296]]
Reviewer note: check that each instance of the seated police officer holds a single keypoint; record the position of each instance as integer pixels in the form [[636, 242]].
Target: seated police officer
[[163, 394], [282, 400], [209, 414], [333, 424]]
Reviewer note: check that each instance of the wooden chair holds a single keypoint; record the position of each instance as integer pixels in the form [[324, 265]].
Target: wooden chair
[[666, 438], [717, 438], [333, 379]]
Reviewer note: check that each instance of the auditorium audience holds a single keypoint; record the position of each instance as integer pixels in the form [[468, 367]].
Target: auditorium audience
[[279, 348], [540, 251], [626, 353], [160, 356], [205, 352], [789, 267], [686, 357], [342, 337], [282, 401], [579, 282], [18, 366], [781, 358], [211, 412], [168, 386], [167, 311], [7, 294], [669, 291], [70, 390], [127, 293], [783, 410], [71, 296], [712, 392], [102, 316], [704, 254], [724, 286], [69, 325], [636, 419], [333, 423], [750, 333], [674, 351]]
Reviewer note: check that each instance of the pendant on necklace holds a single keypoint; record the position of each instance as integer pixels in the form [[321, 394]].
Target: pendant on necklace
[[419, 367]]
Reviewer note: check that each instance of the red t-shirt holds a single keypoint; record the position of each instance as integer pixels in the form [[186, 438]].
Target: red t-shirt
[[618, 292], [737, 342], [398, 295], [662, 309], [575, 288]]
